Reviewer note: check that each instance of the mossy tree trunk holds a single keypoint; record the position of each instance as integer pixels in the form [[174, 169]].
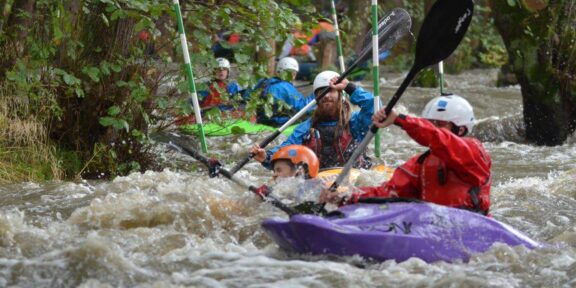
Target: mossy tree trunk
[[540, 38], [3, 13], [15, 30]]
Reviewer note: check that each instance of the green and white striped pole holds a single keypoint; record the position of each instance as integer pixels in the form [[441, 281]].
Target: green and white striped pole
[[338, 41], [375, 70], [441, 72], [190, 75]]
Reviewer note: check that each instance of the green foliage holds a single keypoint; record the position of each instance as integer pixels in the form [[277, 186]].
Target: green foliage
[[512, 3], [86, 74], [482, 46], [426, 78]]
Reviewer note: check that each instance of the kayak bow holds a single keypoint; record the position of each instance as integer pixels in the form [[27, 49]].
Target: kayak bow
[[395, 231]]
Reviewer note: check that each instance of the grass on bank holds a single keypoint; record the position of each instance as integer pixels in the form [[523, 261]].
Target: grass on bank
[[26, 153]]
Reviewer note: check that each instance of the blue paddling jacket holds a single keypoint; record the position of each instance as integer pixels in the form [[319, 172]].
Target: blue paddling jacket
[[281, 91], [360, 122]]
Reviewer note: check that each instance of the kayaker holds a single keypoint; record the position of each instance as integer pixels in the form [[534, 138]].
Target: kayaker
[[287, 100], [225, 43], [324, 37], [220, 85], [295, 161], [333, 131], [302, 50], [455, 171]]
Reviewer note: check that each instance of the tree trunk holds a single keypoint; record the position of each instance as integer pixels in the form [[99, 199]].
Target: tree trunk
[[540, 38], [16, 29], [3, 14]]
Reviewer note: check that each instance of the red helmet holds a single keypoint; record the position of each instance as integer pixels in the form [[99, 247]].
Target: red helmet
[[298, 155]]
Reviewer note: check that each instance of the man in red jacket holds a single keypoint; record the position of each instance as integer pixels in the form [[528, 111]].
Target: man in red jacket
[[454, 172]]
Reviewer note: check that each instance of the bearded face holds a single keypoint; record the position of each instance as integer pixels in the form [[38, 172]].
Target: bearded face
[[329, 106]]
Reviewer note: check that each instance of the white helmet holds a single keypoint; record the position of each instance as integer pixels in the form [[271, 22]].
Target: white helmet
[[287, 63], [223, 63], [452, 108], [323, 79]]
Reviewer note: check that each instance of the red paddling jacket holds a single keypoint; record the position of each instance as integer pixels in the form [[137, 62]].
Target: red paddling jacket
[[455, 171]]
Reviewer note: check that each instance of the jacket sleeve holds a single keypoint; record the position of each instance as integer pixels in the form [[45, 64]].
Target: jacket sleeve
[[463, 155], [403, 183], [361, 120], [287, 93], [202, 94], [233, 88], [296, 137], [287, 46]]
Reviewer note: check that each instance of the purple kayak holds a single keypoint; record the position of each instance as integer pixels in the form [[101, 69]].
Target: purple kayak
[[395, 231]]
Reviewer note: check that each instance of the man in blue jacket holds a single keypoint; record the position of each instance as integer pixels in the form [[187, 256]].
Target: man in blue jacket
[[286, 99], [334, 131]]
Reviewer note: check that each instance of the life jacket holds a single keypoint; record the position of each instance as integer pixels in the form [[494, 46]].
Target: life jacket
[[324, 31], [333, 152], [303, 49], [213, 98], [442, 186]]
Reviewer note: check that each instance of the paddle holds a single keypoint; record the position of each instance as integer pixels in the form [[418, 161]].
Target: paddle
[[442, 30], [390, 29], [304, 85], [215, 168]]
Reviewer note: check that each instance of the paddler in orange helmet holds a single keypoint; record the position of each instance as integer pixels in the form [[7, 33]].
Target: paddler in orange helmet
[[293, 161], [296, 161]]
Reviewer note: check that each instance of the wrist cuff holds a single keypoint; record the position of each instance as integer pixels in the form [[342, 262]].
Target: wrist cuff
[[350, 88], [398, 121]]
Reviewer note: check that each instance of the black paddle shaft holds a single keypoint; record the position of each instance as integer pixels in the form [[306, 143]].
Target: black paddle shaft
[[209, 163], [443, 29], [391, 29]]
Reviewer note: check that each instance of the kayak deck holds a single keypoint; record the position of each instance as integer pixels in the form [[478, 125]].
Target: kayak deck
[[232, 127], [395, 231]]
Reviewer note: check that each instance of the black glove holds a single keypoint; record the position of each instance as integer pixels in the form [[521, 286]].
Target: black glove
[[214, 167]]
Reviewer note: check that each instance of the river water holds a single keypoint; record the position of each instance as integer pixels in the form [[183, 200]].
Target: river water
[[177, 228]]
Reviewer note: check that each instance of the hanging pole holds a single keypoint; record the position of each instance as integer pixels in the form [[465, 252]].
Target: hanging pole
[[190, 75], [375, 70], [338, 41], [441, 72]]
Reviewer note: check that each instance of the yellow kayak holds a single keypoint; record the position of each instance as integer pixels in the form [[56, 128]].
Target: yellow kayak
[[382, 172]]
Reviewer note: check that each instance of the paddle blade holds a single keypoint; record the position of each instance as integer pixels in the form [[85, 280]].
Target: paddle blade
[[391, 29], [442, 30]]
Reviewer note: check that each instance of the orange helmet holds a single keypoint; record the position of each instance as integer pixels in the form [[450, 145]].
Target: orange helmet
[[298, 154]]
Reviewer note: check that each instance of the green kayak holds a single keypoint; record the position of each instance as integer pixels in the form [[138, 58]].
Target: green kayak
[[232, 127]]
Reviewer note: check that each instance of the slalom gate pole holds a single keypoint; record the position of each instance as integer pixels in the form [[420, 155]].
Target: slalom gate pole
[[338, 40], [190, 75], [376, 71], [441, 72]]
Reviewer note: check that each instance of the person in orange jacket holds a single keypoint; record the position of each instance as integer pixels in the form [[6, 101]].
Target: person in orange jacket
[[324, 37], [454, 172]]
